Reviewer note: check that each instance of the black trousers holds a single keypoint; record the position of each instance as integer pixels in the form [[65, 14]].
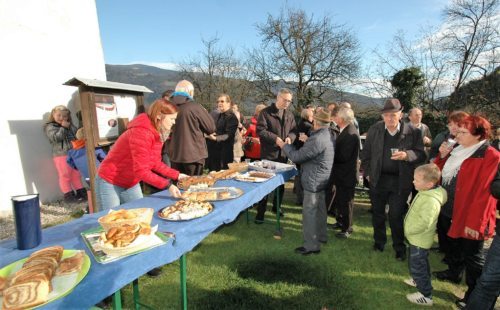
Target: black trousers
[[331, 208], [471, 255], [191, 169], [443, 225], [397, 210], [344, 201], [262, 205]]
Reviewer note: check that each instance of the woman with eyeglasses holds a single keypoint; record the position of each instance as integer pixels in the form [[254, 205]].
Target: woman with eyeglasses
[[226, 125], [467, 172]]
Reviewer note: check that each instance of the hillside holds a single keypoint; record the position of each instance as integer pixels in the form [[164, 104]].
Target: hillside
[[159, 80]]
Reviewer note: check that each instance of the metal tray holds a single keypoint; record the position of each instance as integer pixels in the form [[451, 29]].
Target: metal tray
[[181, 219], [270, 166]]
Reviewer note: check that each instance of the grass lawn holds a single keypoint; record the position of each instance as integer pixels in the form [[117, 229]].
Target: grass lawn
[[241, 266]]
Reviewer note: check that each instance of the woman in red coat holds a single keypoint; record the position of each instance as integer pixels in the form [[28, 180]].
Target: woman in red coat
[[251, 139], [136, 156], [467, 172]]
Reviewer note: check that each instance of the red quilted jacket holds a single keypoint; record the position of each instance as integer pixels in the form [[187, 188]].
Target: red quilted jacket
[[134, 157]]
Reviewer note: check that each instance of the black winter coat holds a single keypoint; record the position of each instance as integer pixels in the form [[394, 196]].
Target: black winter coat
[[269, 127]]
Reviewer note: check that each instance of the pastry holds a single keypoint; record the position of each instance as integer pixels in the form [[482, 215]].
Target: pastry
[[224, 195], [259, 174], [71, 264], [3, 285], [55, 251], [26, 295]]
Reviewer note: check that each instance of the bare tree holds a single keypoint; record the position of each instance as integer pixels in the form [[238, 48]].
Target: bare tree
[[217, 70], [302, 53], [472, 39]]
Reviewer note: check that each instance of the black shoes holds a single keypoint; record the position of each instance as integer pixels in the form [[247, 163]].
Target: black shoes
[[281, 212], [446, 275], [155, 272], [259, 219], [336, 226], [401, 256], [304, 251], [343, 234], [378, 247]]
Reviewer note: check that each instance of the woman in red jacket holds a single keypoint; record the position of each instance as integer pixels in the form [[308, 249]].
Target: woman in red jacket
[[251, 140], [467, 172], [136, 156]]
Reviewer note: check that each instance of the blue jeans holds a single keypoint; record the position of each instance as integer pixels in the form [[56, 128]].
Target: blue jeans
[[111, 196], [420, 270], [487, 287]]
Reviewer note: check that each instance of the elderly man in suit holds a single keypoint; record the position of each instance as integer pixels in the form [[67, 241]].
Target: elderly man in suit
[[316, 160], [391, 152], [345, 168]]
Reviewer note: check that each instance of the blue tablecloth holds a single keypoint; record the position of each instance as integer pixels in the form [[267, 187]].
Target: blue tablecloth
[[104, 280]]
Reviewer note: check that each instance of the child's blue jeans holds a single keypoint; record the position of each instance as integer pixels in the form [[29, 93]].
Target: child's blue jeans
[[420, 270]]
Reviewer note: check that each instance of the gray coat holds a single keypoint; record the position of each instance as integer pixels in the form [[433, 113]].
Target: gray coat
[[316, 159], [410, 140], [60, 138]]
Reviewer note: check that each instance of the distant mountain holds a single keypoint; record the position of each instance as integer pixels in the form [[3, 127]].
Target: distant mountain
[[159, 80]]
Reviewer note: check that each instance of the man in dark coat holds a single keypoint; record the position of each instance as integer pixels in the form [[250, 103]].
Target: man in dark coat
[[345, 168], [187, 148], [391, 152], [276, 124]]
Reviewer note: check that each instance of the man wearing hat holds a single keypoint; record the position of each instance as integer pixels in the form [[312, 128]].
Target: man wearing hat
[[316, 160], [391, 152]]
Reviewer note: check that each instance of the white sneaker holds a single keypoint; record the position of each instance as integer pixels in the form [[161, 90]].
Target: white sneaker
[[419, 299], [410, 282]]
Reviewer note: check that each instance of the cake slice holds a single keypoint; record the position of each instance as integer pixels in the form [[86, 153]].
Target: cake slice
[[25, 295]]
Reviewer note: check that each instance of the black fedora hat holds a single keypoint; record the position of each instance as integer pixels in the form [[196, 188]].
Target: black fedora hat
[[392, 105]]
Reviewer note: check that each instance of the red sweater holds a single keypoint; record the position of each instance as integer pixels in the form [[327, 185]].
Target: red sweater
[[254, 151], [474, 206], [135, 155]]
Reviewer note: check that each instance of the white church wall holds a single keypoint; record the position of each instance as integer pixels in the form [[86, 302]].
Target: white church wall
[[44, 44]]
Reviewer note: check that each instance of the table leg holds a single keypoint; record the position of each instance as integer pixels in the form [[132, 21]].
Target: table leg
[[183, 282], [117, 300], [278, 208], [135, 287]]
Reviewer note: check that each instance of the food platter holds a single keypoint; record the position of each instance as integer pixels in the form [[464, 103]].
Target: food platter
[[62, 285], [254, 176], [107, 255], [185, 210], [212, 194], [270, 166], [196, 182]]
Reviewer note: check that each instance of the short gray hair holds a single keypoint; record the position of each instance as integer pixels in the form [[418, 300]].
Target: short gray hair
[[346, 114], [284, 91], [345, 104]]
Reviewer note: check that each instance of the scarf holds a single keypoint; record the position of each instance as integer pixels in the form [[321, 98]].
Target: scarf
[[457, 157]]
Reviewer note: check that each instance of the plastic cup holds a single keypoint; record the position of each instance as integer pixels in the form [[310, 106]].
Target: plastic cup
[[394, 150]]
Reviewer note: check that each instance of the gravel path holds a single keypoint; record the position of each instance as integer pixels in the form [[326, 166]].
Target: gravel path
[[55, 213]]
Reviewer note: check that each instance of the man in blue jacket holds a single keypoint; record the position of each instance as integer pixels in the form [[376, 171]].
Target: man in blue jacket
[[316, 160]]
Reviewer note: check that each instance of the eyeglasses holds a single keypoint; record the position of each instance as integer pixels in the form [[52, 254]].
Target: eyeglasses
[[286, 100], [219, 101], [461, 133]]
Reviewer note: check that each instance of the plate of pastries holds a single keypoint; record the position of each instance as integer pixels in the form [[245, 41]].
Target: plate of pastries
[[224, 174], [184, 210], [212, 194], [196, 182], [46, 275], [255, 176], [125, 239]]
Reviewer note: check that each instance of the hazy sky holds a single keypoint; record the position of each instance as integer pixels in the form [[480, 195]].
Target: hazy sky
[[160, 32]]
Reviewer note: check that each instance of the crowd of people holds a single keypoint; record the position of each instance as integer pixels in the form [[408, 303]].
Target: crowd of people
[[419, 185]]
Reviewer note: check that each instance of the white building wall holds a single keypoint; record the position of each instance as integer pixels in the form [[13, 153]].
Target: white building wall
[[44, 43]]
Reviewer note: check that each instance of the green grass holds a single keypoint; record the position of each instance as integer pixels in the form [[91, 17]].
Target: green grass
[[241, 266]]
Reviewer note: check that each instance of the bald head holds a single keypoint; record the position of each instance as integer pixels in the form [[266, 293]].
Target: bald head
[[415, 116], [185, 86]]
